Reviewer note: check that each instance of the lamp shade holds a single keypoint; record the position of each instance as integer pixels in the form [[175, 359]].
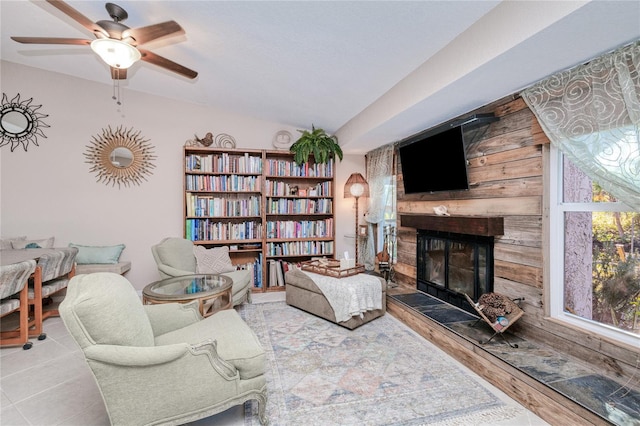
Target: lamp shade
[[115, 53], [356, 186]]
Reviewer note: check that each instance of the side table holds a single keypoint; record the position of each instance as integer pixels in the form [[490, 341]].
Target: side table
[[212, 291]]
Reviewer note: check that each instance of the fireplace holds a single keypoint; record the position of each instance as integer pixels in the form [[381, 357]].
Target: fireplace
[[454, 256]]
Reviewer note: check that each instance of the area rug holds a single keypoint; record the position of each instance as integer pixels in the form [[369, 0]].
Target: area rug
[[381, 373]]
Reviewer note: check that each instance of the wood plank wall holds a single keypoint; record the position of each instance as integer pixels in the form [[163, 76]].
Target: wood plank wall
[[507, 166]]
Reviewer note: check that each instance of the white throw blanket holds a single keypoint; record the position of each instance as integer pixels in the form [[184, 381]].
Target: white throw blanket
[[350, 296]]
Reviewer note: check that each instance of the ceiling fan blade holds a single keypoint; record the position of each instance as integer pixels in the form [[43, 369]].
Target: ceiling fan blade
[[51, 40], [152, 32], [118, 73], [167, 64], [77, 16]]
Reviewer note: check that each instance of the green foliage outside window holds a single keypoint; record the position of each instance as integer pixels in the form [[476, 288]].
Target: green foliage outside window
[[616, 266]]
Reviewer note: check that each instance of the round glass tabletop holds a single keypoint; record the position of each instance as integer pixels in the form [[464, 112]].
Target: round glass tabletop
[[180, 288]]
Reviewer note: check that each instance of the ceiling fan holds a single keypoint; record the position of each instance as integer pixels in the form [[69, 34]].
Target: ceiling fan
[[116, 43]]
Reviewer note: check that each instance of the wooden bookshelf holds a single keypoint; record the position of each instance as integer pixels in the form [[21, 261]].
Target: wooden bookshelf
[[270, 212]]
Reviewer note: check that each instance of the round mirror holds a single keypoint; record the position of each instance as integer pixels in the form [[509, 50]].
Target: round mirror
[[121, 157], [14, 122], [20, 122]]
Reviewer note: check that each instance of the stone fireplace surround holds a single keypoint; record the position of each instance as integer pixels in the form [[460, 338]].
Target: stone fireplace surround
[[454, 255]]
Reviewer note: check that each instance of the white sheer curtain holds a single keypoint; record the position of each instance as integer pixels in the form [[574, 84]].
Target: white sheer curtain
[[592, 114], [379, 175]]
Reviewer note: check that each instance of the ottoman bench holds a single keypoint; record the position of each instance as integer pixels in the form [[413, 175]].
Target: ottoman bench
[[303, 293]]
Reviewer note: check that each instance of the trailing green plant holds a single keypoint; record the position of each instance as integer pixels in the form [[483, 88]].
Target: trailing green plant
[[316, 142]]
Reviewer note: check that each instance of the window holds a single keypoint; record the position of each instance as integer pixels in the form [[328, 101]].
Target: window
[[595, 248], [386, 229]]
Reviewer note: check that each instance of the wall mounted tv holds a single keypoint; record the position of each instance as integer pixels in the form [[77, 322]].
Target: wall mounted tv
[[434, 162]]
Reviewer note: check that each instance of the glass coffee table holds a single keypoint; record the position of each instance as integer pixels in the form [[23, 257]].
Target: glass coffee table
[[213, 292]]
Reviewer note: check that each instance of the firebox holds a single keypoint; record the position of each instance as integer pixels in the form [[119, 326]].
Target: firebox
[[454, 255], [450, 265]]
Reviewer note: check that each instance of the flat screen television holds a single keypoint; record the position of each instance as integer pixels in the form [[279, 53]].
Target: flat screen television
[[434, 162]]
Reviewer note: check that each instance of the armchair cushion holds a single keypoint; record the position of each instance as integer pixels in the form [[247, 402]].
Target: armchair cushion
[[212, 261], [177, 253], [123, 322], [6, 243], [167, 317], [43, 243], [88, 255], [241, 280], [236, 343]]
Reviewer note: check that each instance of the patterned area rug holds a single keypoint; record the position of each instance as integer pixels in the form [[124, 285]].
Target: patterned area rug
[[381, 373]]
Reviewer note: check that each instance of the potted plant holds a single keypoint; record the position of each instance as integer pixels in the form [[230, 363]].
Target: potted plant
[[316, 142]]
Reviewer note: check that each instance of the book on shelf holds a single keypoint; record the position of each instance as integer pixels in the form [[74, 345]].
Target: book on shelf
[[277, 268], [280, 274], [224, 163], [255, 268], [222, 183]]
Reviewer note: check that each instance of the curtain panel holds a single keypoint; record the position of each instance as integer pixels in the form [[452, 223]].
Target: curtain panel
[[379, 172], [591, 113]]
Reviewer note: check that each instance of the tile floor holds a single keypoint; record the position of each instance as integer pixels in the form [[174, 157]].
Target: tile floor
[[51, 384]]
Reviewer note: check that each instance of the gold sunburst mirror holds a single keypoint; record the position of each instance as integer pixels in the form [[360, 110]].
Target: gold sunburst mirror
[[20, 122], [120, 156]]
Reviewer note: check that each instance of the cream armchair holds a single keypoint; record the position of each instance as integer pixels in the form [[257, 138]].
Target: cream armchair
[[162, 364], [175, 258]]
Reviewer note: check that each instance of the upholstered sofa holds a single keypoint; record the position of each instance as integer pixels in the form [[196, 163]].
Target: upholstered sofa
[[175, 257], [303, 293], [162, 364]]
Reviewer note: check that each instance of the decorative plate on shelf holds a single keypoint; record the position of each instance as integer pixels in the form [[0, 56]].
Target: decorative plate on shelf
[[282, 140]]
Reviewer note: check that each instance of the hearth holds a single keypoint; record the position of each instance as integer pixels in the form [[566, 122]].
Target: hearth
[[452, 264]]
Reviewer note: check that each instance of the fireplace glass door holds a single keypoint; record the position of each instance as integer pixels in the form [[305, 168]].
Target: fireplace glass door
[[452, 265]]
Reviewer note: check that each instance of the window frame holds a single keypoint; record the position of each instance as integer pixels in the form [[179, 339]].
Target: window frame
[[557, 209], [390, 190]]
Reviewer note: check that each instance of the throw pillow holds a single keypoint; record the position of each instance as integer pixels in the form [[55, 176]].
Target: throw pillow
[[213, 261], [5, 244], [44, 243], [98, 254]]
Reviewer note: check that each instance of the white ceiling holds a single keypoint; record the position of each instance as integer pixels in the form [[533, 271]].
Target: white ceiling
[[372, 72]]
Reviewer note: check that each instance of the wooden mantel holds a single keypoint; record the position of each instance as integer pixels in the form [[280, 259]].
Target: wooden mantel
[[471, 225]]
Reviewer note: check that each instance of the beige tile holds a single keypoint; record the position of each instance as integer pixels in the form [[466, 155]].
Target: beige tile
[[60, 403], [94, 415], [43, 376], [10, 416], [55, 328], [69, 343], [4, 401], [42, 351]]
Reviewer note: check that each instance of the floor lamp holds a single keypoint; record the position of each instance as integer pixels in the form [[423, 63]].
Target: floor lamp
[[356, 187]]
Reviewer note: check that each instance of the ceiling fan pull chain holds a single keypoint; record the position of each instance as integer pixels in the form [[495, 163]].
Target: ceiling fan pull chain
[[118, 102], [116, 87]]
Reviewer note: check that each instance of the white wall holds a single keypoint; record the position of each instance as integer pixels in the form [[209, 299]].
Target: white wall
[[49, 190], [345, 207]]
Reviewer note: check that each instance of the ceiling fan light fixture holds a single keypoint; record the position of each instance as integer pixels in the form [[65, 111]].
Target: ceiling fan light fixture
[[115, 53]]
